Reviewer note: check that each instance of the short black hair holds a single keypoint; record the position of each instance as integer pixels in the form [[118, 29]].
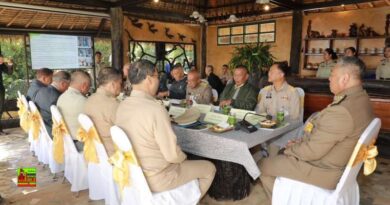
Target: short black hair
[[1, 56], [44, 72], [139, 70], [283, 66], [242, 67], [107, 75], [352, 49], [98, 52], [226, 66], [176, 66]]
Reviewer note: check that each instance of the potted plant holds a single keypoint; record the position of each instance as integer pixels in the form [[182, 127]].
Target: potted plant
[[256, 57]]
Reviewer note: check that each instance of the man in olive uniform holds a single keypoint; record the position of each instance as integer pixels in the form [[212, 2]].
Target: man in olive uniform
[[150, 132], [383, 69], [321, 155], [199, 90], [4, 68], [240, 94], [280, 96]]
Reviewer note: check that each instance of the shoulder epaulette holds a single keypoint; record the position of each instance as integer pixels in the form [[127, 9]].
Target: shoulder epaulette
[[338, 99]]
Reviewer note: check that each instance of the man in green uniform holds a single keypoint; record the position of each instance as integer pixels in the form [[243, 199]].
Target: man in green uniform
[[240, 94]]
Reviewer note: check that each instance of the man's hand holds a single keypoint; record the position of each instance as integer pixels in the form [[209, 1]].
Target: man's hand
[[163, 94], [225, 103], [292, 142]]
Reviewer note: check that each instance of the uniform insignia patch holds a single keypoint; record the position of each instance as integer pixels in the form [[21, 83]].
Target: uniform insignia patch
[[309, 127]]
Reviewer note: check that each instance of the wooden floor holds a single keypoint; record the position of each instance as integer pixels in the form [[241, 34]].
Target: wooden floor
[[14, 153]]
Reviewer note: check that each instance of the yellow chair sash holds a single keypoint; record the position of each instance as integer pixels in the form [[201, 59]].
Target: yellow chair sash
[[89, 145], [367, 154], [35, 123], [23, 115], [121, 172], [59, 131]]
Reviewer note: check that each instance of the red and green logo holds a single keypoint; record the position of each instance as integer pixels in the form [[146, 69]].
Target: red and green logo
[[27, 177]]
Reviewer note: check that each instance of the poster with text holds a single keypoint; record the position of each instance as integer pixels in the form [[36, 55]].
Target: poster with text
[[61, 51]]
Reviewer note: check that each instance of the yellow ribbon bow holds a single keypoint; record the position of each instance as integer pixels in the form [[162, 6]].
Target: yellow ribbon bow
[[23, 115], [367, 154], [59, 131], [121, 172], [35, 124], [89, 145]]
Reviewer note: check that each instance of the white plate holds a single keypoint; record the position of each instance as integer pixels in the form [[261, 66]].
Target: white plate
[[188, 123]]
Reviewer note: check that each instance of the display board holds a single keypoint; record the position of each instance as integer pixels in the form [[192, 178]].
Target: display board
[[61, 51]]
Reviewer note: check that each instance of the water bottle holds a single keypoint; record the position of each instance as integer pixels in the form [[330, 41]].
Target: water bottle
[[280, 115]]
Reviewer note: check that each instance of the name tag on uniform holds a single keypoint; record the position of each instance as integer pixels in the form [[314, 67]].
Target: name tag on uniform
[[240, 113], [309, 127]]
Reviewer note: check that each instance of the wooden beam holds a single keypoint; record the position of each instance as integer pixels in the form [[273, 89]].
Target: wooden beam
[[62, 22], [387, 2], [156, 13], [203, 47], [14, 18], [2, 10], [116, 14], [371, 4], [74, 23], [286, 4], [92, 3], [101, 26], [86, 25], [320, 5], [296, 39], [251, 13], [31, 20], [47, 21]]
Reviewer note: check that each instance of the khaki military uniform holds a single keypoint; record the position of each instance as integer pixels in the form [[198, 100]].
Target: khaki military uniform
[[325, 68], [101, 108], [287, 99], [202, 93], [327, 145], [148, 126], [383, 70]]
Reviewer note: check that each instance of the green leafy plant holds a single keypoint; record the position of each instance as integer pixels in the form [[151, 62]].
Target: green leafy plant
[[256, 57]]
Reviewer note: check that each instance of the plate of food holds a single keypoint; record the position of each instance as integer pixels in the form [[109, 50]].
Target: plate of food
[[218, 129], [268, 124]]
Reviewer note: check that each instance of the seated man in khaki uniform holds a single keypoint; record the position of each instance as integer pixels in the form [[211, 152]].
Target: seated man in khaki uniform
[[240, 94], [101, 106], [280, 96], [321, 155], [149, 129], [71, 103], [199, 90]]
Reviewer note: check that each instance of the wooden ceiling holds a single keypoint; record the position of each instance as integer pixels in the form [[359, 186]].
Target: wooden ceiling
[[92, 15]]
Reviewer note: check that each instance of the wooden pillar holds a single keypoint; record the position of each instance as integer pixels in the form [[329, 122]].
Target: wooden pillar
[[116, 15], [296, 41], [203, 51]]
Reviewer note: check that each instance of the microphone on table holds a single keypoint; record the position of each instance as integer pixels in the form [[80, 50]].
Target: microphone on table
[[247, 126]]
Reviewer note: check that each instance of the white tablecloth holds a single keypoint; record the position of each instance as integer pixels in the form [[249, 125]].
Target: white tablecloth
[[231, 146]]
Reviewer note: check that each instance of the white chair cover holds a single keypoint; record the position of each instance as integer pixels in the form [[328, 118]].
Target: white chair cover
[[101, 184], [33, 143], [215, 95], [139, 193], [301, 93], [42, 143], [75, 166], [292, 192]]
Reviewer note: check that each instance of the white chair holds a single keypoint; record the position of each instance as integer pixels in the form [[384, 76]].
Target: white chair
[[139, 192], [215, 95], [292, 192], [101, 184], [75, 166], [42, 143], [301, 93]]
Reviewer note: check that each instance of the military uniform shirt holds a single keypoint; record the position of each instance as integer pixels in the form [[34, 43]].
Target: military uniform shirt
[[383, 70], [202, 93], [287, 98], [325, 68]]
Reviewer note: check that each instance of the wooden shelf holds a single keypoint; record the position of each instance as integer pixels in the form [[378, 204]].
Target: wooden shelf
[[370, 54], [314, 54], [346, 38]]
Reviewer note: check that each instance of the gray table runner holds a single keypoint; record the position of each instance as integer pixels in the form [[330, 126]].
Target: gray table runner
[[231, 146]]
